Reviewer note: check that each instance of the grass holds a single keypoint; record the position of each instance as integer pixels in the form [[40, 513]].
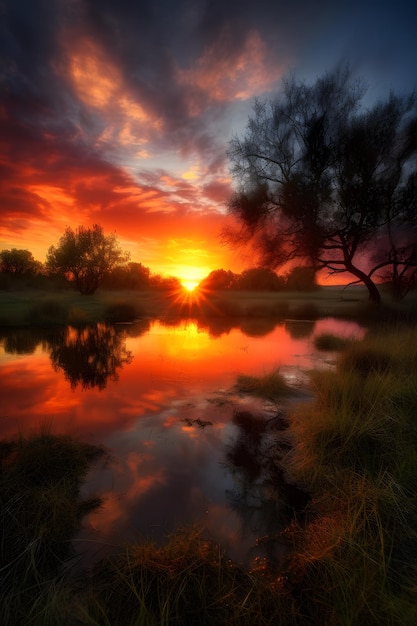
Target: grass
[[354, 551], [40, 511], [187, 581], [41, 307], [355, 451]]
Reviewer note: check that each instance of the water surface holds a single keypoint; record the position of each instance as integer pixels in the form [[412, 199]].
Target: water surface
[[160, 397]]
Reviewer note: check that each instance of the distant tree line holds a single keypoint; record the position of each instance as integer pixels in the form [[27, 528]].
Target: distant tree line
[[86, 259], [299, 278]]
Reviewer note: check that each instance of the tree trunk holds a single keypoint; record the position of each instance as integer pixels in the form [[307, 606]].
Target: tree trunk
[[374, 294]]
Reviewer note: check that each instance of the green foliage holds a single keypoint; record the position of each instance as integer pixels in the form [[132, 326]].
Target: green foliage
[[85, 256]]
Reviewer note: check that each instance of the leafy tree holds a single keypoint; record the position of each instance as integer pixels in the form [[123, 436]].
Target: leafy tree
[[260, 279], [327, 181], [219, 280], [132, 276], [85, 256], [164, 283], [19, 262]]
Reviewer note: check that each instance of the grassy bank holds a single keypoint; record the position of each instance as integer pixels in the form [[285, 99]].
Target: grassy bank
[[353, 554], [355, 451], [37, 307]]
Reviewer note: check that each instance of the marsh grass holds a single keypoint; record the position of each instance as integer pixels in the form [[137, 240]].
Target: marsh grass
[[40, 513], [355, 452], [352, 448], [187, 581]]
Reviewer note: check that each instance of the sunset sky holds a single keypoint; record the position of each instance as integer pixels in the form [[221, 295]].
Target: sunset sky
[[120, 112]]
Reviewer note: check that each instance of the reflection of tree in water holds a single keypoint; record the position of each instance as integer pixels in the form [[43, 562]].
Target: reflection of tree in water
[[262, 497], [91, 355], [25, 340], [300, 329]]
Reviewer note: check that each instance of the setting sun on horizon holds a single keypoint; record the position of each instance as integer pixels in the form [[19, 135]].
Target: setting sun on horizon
[[190, 277], [189, 285]]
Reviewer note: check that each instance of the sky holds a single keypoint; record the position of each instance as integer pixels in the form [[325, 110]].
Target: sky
[[119, 112]]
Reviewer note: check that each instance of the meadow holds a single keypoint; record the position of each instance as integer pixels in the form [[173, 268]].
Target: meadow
[[351, 446], [65, 306]]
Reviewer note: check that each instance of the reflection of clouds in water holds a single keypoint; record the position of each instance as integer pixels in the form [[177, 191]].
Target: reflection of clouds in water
[[167, 477], [168, 471]]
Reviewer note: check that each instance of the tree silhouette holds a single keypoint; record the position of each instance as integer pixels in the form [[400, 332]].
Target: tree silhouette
[[325, 180], [18, 262], [85, 256]]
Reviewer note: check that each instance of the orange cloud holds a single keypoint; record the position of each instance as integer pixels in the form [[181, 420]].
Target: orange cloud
[[99, 84], [223, 76]]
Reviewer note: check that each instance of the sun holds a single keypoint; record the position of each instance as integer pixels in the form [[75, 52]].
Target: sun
[[189, 284]]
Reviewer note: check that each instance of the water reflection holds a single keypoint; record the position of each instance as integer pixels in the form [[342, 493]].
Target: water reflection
[[90, 356], [264, 500], [144, 391]]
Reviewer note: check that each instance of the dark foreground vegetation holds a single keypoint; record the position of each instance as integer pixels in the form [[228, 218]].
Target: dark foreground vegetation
[[352, 448]]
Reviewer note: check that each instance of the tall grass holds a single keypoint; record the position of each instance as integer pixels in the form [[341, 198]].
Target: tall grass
[[40, 511], [355, 451], [354, 552], [187, 581]]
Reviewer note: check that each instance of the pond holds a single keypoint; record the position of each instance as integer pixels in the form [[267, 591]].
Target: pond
[[160, 397]]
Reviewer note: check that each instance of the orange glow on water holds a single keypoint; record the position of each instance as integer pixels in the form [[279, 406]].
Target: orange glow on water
[[160, 397]]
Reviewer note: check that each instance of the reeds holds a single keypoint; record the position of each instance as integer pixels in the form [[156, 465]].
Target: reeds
[[355, 451], [187, 581]]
